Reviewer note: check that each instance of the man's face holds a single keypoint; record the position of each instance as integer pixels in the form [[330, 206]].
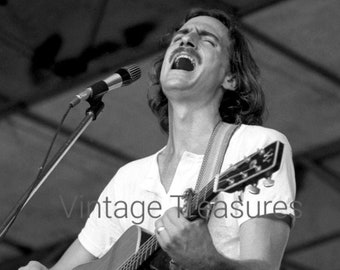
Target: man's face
[[196, 62]]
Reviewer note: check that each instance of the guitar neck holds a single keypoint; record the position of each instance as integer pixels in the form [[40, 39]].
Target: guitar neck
[[200, 200]]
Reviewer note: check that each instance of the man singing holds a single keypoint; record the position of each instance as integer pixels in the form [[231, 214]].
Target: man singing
[[206, 75]]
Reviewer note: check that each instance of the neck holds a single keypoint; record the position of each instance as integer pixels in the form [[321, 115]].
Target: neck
[[190, 130]]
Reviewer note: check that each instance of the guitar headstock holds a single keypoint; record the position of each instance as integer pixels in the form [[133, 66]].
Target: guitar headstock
[[261, 164]]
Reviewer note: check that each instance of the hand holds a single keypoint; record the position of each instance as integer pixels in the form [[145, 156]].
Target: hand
[[189, 244], [33, 265]]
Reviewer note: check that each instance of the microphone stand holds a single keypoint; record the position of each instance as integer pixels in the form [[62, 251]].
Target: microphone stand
[[96, 106]]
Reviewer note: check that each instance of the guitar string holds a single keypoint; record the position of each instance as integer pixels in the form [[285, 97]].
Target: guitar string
[[151, 244], [147, 247], [132, 262], [131, 259], [202, 195], [209, 187], [134, 258]]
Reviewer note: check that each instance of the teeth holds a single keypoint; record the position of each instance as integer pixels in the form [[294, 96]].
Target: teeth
[[185, 56]]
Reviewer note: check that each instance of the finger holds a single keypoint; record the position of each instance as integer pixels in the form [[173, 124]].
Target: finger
[[162, 236], [33, 265], [174, 212], [158, 223], [174, 221], [160, 227], [168, 219]]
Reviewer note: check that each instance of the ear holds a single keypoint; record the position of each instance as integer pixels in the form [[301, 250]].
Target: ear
[[229, 82]]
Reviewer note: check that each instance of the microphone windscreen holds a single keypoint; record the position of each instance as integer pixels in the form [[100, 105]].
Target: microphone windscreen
[[129, 74]]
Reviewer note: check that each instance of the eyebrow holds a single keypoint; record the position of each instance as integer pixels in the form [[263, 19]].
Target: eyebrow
[[200, 32]]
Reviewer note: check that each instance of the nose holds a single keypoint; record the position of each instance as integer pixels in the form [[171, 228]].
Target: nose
[[189, 40]]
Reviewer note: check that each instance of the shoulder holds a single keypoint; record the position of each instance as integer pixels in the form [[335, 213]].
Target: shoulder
[[260, 133], [250, 138], [254, 137]]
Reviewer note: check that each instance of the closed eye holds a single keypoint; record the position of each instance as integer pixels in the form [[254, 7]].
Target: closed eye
[[210, 42], [177, 37], [209, 37]]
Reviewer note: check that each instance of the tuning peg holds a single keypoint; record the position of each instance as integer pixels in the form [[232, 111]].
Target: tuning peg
[[253, 189], [261, 151], [246, 159], [268, 182]]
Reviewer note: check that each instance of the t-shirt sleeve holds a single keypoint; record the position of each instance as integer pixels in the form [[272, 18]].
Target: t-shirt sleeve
[[101, 231], [276, 200]]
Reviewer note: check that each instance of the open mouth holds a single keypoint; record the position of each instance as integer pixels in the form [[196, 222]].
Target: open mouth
[[184, 62]]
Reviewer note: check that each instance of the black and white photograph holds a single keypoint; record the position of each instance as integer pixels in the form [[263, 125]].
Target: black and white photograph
[[169, 135]]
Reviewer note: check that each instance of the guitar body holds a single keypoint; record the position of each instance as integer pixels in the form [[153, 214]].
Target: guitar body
[[127, 245]]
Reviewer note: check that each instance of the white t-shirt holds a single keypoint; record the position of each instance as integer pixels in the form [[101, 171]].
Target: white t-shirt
[[135, 195]]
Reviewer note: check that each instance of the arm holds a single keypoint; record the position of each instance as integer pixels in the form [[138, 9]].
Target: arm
[[263, 241], [75, 255]]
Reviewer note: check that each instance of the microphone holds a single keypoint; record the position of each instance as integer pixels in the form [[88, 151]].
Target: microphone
[[122, 77]]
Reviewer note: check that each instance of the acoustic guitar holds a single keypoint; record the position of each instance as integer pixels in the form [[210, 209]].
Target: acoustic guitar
[[138, 249]]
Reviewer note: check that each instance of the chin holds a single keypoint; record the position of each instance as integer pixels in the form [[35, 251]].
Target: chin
[[176, 84]]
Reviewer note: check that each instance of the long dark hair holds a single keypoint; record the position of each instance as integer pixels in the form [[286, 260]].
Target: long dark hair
[[244, 105]]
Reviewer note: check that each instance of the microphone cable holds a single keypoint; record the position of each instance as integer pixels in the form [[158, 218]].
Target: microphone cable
[[11, 217]]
